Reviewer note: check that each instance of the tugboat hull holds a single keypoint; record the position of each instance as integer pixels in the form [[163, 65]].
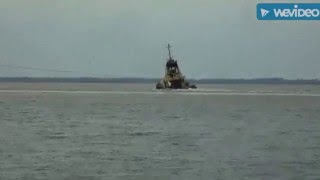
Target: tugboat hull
[[175, 85], [173, 78]]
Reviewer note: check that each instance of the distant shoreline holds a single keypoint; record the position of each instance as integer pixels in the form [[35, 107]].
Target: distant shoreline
[[155, 80]]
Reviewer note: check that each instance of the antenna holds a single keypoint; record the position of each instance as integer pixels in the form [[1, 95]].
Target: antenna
[[169, 46]]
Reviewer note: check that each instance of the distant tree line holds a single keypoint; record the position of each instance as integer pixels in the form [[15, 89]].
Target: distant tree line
[[154, 80]]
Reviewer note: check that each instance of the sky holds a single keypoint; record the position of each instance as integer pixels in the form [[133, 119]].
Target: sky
[[109, 38]]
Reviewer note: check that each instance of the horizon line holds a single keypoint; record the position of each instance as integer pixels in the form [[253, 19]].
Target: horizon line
[[270, 81], [152, 78]]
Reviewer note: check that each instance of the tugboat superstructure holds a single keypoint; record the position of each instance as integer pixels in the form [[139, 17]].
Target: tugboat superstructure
[[173, 78]]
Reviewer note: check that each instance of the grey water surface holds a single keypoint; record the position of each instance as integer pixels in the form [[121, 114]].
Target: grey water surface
[[146, 136]]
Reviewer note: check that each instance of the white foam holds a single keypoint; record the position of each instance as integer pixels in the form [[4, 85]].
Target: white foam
[[194, 90]]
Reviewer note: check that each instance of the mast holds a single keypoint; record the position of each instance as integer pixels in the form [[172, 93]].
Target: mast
[[169, 46]]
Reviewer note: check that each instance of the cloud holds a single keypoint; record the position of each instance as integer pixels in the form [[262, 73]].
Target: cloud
[[209, 38]]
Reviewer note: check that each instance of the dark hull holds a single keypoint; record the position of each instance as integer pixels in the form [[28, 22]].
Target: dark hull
[[176, 84]]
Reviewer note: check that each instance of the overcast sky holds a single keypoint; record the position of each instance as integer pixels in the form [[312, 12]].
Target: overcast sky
[[210, 39]]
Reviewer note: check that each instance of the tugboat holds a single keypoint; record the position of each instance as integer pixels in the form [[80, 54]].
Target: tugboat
[[173, 78]]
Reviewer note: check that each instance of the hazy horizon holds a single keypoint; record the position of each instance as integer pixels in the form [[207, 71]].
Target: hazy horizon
[[120, 38]]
